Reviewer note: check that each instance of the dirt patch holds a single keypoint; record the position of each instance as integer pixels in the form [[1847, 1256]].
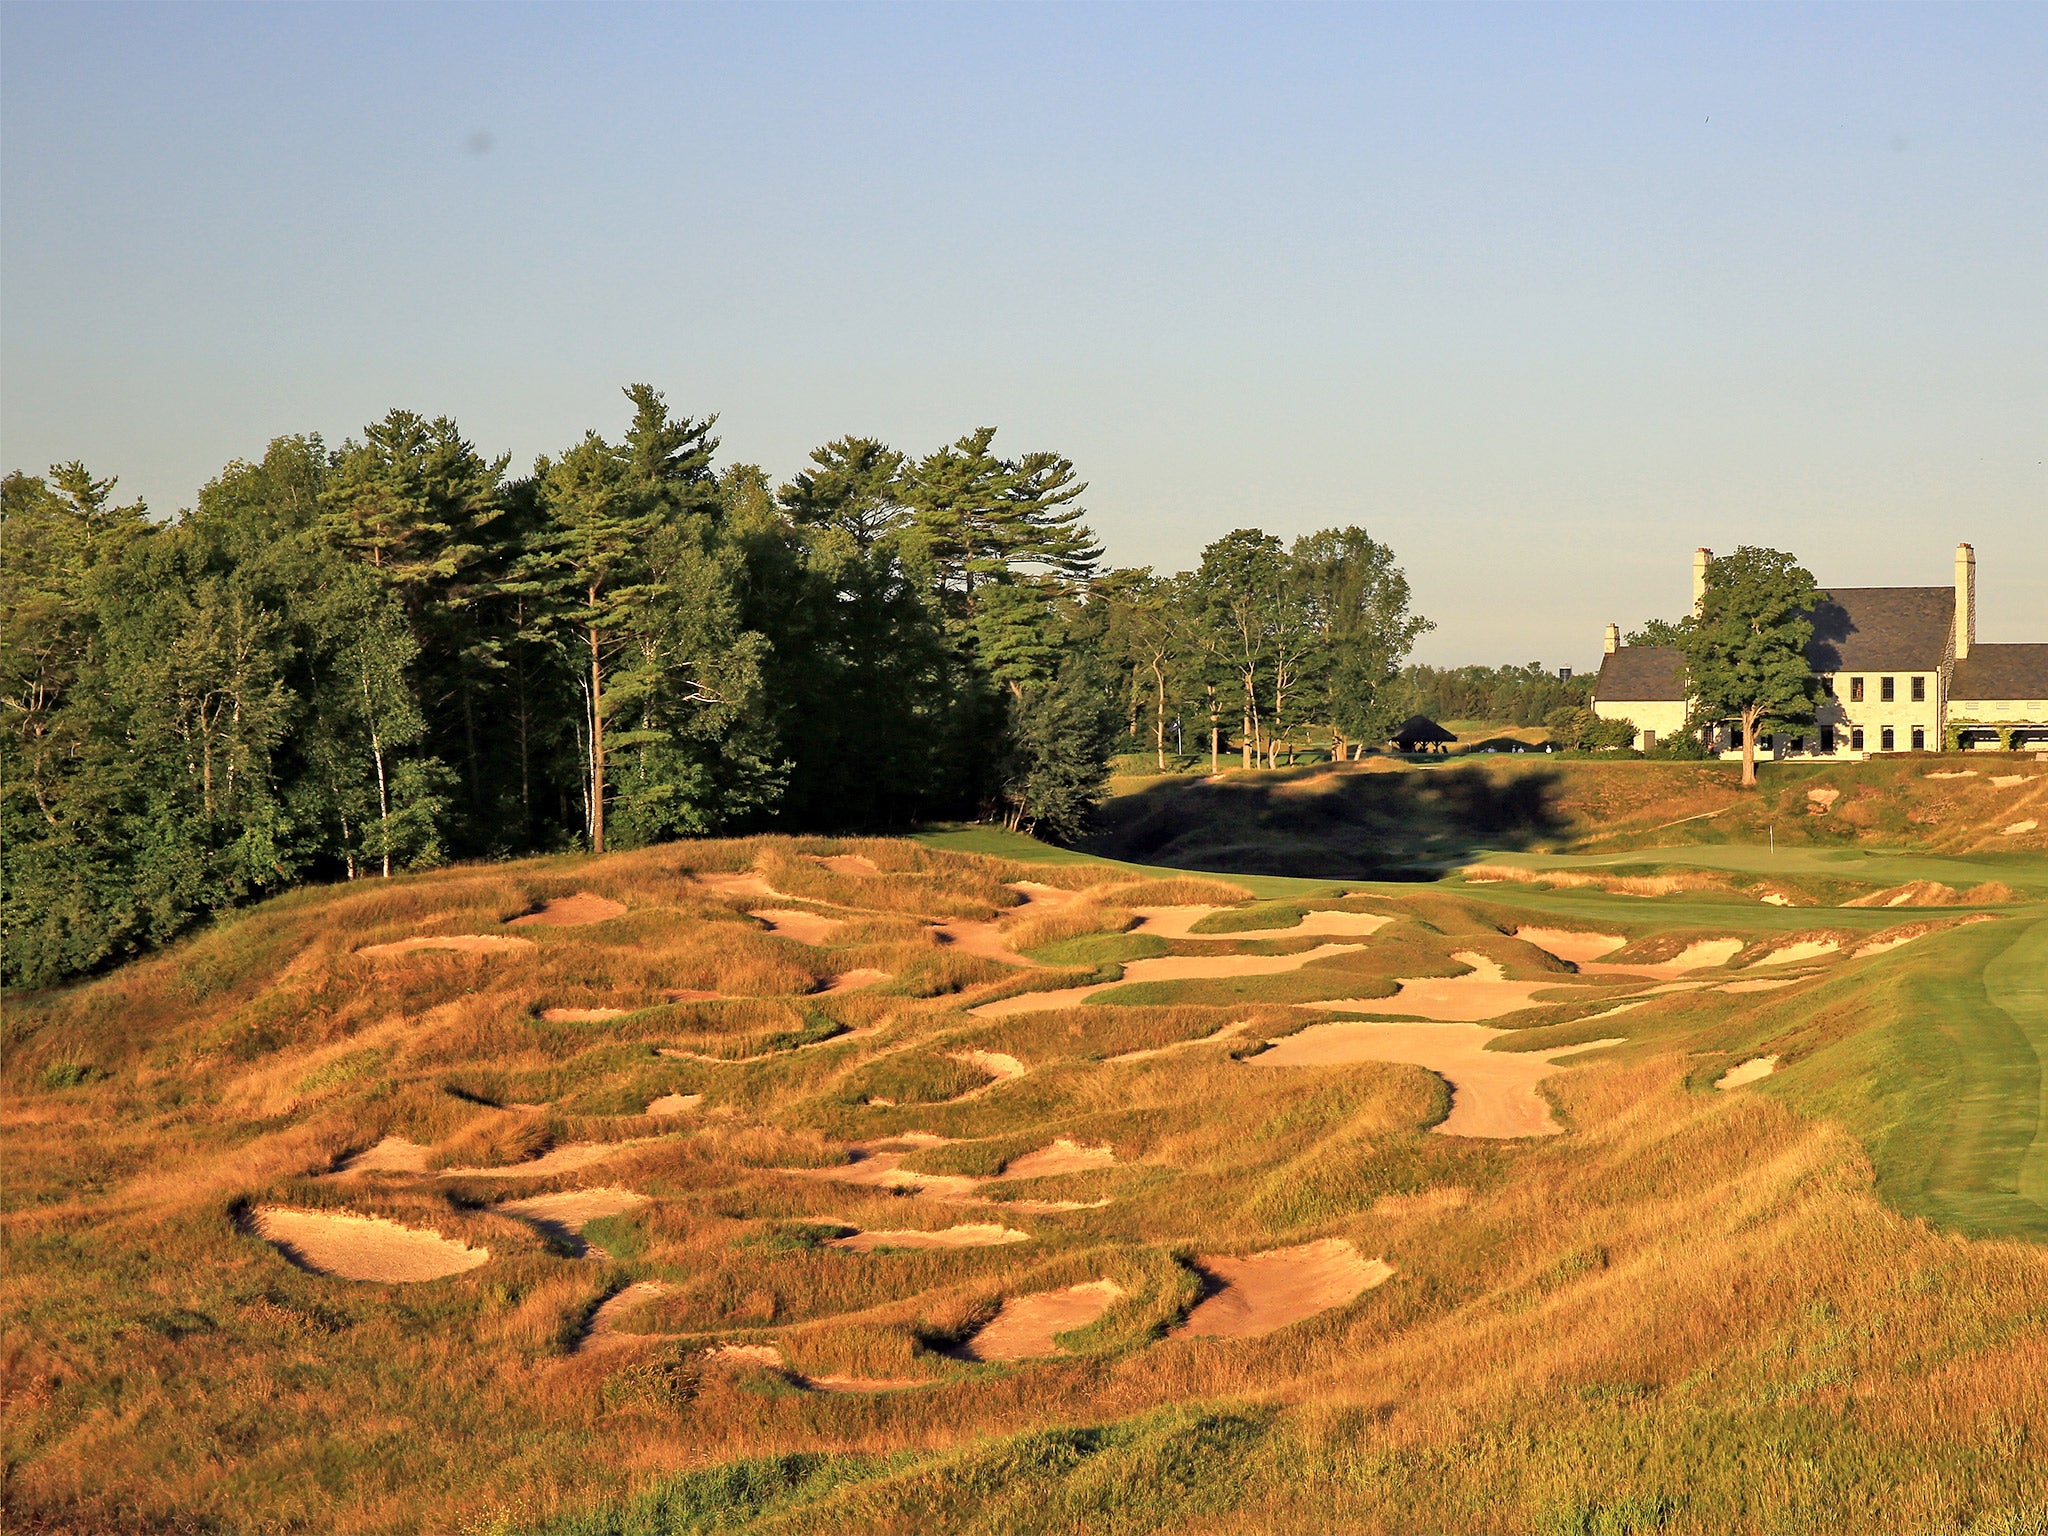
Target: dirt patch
[[1163, 968], [603, 1330], [1819, 801], [1062, 1156], [578, 911], [581, 1015], [858, 865], [1264, 1291], [1571, 947], [804, 927], [567, 1158], [1748, 1072], [1697, 956], [1176, 923], [1482, 993], [972, 1235], [352, 1247], [670, 1104], [394, 1154], [1805, 949], [461, 943], [1026, 1327], [1493, 1093]]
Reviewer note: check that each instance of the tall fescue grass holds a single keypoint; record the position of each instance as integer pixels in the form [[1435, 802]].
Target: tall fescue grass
[[1692, 1313]]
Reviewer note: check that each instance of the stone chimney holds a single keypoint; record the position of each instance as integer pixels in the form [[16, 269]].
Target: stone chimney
[[1966, 600], [1701, 559], [1613, 638]]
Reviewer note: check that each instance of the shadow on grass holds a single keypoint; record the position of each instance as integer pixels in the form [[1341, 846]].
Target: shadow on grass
[[1337, 826]]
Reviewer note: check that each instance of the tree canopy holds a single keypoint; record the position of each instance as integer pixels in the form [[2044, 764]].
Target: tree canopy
[[1745, 650]]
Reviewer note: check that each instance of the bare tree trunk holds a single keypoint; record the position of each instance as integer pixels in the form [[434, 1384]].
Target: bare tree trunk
[[383, 796], [1159, 709], [1749, 719], [1215, 734], [596, 741]]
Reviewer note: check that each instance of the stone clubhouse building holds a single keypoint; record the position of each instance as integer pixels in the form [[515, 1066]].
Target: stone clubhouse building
[[1900, 669]]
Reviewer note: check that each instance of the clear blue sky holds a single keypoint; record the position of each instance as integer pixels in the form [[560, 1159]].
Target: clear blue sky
[[1544, 297]]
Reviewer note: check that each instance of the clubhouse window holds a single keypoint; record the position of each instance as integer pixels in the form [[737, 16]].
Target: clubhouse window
[[1887, 740], [1886, 693], [1919, 736], [1919, 690], [1827, 740], [1855, 738], [1855, 690]]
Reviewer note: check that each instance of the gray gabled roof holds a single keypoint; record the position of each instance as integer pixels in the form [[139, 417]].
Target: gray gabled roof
[[2001, 672], [1641, 674], [1882, 629]]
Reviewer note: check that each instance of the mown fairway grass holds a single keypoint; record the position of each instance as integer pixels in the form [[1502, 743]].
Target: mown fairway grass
[[1819, 1303]]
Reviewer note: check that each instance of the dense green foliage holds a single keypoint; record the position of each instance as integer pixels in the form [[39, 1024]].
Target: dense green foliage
[[1745, 650], [1526, 695], [346, 662]]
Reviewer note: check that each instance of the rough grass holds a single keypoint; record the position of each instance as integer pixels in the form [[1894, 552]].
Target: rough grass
[[1695, 1312]]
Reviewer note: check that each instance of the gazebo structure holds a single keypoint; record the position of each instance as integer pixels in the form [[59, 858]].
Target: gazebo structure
[[1419, 733]]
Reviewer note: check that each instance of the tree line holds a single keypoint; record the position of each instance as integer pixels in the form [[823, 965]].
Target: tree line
[[345, 662]]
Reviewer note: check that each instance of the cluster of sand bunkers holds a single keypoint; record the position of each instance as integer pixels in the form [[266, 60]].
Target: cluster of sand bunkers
[[1443, 1024]]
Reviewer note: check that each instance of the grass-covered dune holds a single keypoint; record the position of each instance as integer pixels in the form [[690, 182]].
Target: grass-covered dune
[[1385, 818], [812, 1186]]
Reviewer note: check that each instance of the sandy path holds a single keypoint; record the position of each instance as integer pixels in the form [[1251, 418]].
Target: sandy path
[[1176, 923], [1805, 949], [577, 911], [1493, 1093], [1264, 1291], [1571, 947], [971, 1235], [394, 1154], [1748, 1072], [1482, 993], [603, 1330], [1163, 968], [1062, 1156], [353, 1247], [461, 943], [1026, 1326], [1231, 1031], [674, 1104], [804, 927], [1694, 957], [581, 1015], [567, 1158]]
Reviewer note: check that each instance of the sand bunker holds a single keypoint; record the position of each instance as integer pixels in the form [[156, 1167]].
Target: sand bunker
[[885, 1170], [972, 1235], [674, 1104], [804, 927], [1038, 894], [1756, 1067], [2018, 827], [1886, 945], [1062, 1156], [1762, 984], [1264, 1291], [1175, 923], [564, 1215], [2007, 780], [1482, 993], [854, 980], [1231, 1031], [857, 864], [1163, 968], [581, 1015], [1697, 956], [394, 1154], [566, 1158], [1819, 800], [1955, 773], [747, 884], [577, 911], [1493, 1093], [603, 1330], [1571, 947], [461, 943], [1026, 1326], [1001, 1068], [354, 1247], [1805, 949]]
